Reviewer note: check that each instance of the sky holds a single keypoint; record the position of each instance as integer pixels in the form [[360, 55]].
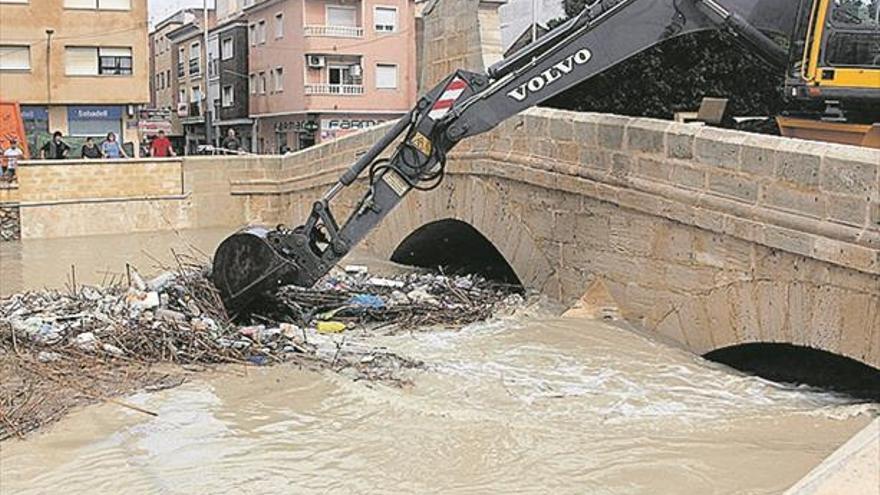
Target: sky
[[159, 9]]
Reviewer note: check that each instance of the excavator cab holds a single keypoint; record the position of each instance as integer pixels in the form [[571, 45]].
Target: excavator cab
[[835, 65]]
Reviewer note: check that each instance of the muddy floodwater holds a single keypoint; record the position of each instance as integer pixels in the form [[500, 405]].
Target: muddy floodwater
[[529, 403]]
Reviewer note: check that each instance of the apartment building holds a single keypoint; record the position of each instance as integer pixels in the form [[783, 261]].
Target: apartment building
[[76, 66], [319, 69], [190, 80], [163, 80], [228, 80]]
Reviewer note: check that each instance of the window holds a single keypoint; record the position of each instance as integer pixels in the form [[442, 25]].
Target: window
[[386, 76], [13, 1], [253, 84], [195, 95], [385, 19], [226, 49], [279, 25], [227, 96], [181, 95], [98, 4], [853, 40], [181, 70], [252, 30], [341, 16], [340, 75], [15, 57], [91, 61], [261, 32], [115, 61], [195, 58], [261, 84], [279, 79]]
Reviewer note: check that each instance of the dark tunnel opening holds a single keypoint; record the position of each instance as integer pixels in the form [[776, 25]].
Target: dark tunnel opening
[[800, 365], [457, 248]]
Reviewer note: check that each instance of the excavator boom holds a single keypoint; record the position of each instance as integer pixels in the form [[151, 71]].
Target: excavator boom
[[256, 260]]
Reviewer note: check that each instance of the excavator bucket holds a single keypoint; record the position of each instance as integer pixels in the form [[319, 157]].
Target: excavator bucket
[[246, 265]]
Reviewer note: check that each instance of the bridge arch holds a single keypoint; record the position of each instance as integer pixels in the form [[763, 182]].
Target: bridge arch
[[457, 247], [470, 206], [802, 365]]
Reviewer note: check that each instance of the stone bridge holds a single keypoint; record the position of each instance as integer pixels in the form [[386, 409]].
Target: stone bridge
[[709, 237]]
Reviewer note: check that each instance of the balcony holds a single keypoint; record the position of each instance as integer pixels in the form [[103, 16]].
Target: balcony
[[334, 89], [334, 31]]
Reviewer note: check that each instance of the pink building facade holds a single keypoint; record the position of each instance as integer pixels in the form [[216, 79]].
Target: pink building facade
[[319, 69]]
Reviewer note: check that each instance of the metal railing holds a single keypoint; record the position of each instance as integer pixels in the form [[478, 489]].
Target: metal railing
[[334, 31], [334, 89], [181, 71], [194, 66]]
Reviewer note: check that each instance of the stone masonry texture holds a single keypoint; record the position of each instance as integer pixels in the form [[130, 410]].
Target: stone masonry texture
[[706, 247]]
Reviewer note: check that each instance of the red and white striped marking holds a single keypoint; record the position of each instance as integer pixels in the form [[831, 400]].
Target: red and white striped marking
[[453, 90]]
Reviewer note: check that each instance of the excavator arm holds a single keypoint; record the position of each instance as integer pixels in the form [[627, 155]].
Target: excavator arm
[[257, 260]]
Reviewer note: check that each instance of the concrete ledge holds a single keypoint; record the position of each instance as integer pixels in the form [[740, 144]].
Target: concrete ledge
[[854, 468]]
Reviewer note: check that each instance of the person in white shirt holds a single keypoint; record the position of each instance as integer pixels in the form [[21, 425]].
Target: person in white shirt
[[11, 157]]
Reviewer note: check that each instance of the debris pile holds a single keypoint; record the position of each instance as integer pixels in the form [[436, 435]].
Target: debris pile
[[408, 301], [81, 339]]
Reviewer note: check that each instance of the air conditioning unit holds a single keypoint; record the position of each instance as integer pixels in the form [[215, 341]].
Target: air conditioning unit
[[356, 70], [316, 61]]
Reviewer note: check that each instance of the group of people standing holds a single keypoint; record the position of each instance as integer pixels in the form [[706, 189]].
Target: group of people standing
[[110, 147], [57, 149]]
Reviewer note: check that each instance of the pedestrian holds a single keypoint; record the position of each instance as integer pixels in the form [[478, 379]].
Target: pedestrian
[[161, 146], [231, 143], [111, 147], [11, 157], [91, 150], [56, 149]]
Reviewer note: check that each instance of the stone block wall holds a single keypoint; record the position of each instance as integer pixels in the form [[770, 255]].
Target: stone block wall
[[687, 226], [459, 34], [54, 180], [75, 198], [10, 226]]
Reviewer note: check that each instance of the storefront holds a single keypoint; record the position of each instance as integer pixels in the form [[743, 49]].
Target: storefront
[[299, 131], [333, 127], [96, 121]]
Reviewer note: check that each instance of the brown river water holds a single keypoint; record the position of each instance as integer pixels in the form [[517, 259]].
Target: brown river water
[[529, 403]]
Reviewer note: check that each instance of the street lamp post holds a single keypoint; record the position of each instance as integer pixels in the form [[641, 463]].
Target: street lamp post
[[49, 33], [206, 74]]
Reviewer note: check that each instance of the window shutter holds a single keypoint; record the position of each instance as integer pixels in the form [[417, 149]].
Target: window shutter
[[385, 19], [341, 17], [15, 57], [114, 4], [80, 4], [386, 76], [279, 25], [81, 61], [115, 52]]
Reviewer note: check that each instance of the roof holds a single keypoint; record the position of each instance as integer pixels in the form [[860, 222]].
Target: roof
[[178, 17]]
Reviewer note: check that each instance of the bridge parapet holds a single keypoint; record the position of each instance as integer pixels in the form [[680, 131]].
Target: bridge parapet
[[706, 236]]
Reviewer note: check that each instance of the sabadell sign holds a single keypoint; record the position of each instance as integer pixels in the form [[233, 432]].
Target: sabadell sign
[[94, 113]]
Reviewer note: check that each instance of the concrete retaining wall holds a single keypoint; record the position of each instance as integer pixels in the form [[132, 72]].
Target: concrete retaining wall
[[87, 197]]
